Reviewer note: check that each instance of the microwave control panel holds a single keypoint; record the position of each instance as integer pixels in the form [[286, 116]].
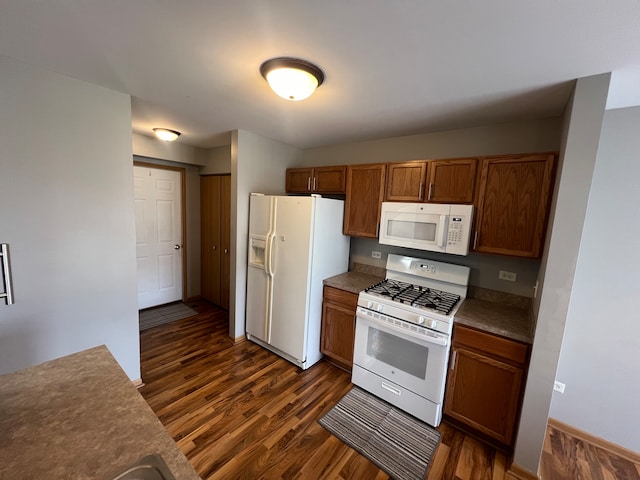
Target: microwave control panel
[[456, 231]]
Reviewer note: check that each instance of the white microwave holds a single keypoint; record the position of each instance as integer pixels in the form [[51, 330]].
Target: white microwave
[[435, 227]]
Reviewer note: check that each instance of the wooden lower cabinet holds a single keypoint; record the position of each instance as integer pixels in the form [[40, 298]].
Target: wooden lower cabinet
[[485, 383], [338, 326]]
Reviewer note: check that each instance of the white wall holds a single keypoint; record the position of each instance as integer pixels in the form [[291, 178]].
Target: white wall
[[153, 147], [66, 190], [577, 158], [258, 164], [599, 355], [518, 137]]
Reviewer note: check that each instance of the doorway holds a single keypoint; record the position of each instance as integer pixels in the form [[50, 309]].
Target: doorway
[[159, 193]]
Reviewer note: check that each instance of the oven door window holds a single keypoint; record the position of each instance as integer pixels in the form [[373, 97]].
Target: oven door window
[[397, 352], [405, 358]]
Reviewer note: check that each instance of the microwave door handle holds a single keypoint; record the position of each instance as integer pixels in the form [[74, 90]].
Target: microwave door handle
[[442, 232]]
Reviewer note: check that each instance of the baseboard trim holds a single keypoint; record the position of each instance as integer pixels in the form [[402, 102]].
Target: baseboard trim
[[516, 472], [610, 447], [237, 340], [138, 383], [192, 299]]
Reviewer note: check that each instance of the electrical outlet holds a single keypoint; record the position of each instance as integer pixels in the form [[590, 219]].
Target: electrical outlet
[[375, 254], [509, 276], [558, 386]]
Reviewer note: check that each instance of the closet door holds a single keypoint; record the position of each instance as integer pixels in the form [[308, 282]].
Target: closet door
[[215, 211], [225, 233]]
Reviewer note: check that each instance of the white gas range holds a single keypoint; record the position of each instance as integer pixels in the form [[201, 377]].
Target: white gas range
[[403, 333]]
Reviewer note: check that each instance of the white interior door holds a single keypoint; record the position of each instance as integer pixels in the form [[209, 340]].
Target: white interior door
[[158, 235]]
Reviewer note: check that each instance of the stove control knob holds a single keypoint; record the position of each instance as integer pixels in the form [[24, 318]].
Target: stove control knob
[[421, 320], [369, 304], [379, 307], [433, 323]]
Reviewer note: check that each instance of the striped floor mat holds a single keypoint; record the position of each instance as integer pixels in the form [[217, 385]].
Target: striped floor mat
[[152, 317], [395, 441]]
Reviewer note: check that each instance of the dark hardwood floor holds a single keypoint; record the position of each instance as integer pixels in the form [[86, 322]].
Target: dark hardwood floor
[[241, 412]]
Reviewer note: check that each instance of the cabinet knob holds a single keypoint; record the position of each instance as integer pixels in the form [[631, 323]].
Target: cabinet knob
[[226, 250], [214, 247]]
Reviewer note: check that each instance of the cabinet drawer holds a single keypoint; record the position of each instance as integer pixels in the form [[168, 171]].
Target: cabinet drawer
[[491, 344], [335, 295]]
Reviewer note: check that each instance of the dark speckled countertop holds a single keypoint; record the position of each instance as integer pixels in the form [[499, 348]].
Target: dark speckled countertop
[[79, 417], [361, 277], [494, 312]]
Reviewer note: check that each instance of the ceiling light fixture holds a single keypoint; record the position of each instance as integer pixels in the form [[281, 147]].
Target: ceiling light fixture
[[166, 134], [292, 78]]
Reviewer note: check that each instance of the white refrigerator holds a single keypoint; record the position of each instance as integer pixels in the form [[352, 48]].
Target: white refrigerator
[[295, 242]]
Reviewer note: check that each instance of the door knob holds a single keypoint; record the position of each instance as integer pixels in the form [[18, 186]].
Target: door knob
[[177, 247]]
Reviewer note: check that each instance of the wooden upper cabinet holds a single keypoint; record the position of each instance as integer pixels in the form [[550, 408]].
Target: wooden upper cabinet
[[316, 180], [512, 204], [365, 192], [405, 181], [451, 181], [299, 180], [330, 179]]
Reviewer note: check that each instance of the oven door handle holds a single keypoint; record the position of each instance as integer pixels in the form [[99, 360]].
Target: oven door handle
[[441, 340]]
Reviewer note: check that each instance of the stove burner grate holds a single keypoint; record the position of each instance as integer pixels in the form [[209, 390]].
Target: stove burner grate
[[416, 295]]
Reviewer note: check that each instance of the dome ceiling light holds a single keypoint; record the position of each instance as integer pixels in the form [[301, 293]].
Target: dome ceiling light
[[292, 78], [166, 134]]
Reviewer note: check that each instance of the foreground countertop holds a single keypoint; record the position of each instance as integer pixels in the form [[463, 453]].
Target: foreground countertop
[[79, 417]]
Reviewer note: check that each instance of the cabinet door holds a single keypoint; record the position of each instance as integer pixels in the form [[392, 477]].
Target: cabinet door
[[513, 202], [365, 191], [211, 246], [483, 393], [405, 181], [225, 239], [338, 326], [329, 179], [451, 181], [298, 180]]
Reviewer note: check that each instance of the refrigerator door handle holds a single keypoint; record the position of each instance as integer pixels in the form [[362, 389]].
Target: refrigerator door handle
[[6, 273]]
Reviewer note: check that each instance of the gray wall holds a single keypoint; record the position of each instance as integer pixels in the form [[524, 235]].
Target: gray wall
[[517, 137], [599, 355], [218, 160], [484, 268], [583, 123], [520, 137], [258, 164], [66, 190]]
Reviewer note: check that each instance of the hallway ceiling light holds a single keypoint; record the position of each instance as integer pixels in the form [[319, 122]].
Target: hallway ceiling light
[[166, 134], [292, 78]]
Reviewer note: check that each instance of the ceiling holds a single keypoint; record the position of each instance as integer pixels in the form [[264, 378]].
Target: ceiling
[[392, 67]]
